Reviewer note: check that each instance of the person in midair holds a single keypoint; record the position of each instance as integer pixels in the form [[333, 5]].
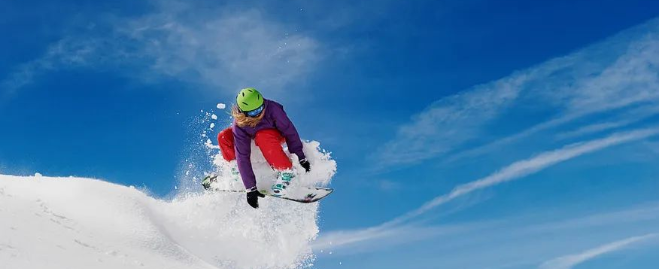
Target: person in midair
[[266, 122]]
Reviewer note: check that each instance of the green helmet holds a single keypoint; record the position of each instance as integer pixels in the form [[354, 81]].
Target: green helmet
[[249, 99]]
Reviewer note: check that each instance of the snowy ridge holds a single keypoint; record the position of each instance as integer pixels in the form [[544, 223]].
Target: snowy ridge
[[48, 222]]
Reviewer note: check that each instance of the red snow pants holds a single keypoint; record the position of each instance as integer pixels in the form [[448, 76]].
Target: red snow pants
[[268, 140]]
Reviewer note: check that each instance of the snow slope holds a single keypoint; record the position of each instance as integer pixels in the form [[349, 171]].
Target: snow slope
[[48, 222]]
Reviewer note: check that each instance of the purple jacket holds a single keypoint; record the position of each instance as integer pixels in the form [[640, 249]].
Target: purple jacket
[[274, 118]]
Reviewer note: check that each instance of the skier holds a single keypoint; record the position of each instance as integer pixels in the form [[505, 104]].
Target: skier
[[266, 122]]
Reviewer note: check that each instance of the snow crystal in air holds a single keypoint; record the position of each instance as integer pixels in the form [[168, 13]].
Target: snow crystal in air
[[221, 106], [214, 117]]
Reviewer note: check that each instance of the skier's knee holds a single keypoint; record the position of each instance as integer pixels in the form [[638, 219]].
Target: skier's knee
[[225, 136]]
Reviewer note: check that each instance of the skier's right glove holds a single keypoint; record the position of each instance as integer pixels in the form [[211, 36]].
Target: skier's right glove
[[253, 197]]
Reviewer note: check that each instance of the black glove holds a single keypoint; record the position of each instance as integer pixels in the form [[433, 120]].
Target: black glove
[[253, 197], [304, 163]]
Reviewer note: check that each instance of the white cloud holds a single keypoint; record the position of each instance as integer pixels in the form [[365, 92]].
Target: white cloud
[[569, 261], [642, 213], [211, 46], [525, 167], [525, 240], [378, 237], [511, 172], [229, 49], [450, 121], [593, 128], [65, 53], [623, 119], [619, 73]]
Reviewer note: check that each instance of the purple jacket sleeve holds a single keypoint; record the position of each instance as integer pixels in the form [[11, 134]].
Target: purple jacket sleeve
[[243, 145], [287, 129]]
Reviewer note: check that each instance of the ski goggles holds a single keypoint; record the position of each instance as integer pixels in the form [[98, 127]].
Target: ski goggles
[[254, 113]]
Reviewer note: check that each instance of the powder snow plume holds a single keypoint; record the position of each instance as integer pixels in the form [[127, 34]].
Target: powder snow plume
[[48, 222]]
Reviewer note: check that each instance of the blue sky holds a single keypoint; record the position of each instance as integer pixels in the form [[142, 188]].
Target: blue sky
[[468, 134]]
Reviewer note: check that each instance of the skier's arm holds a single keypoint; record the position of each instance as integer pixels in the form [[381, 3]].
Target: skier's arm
[[243, 144], [287, 129]]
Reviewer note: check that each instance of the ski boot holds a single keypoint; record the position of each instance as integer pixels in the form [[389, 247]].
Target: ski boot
[[284, 179], [233, 174], [206, 182]]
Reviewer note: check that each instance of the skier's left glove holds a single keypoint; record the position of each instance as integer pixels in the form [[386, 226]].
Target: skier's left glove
[[253, 197], [305, 164]]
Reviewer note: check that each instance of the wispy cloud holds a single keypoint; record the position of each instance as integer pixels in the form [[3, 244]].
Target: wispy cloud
[[224, 48], [380, 238], [626, 118], [64, 54], [531, 240], [524, 241], [210, 46], [620, 72], [569, 261], [594, 128], [523, 168], [645, 212], [450, 122], [511, 172]]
